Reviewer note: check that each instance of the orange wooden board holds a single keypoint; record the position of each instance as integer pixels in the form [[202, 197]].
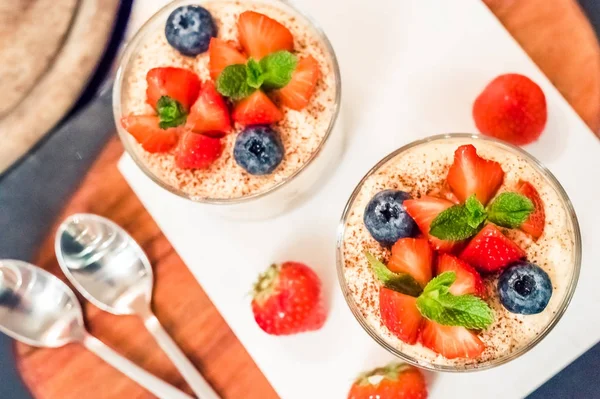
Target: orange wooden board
[[555, 34]]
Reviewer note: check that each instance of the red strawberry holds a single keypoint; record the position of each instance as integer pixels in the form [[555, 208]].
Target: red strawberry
[[534, 225], [490, 250], [287, 300], [145, 129], [256, 109], [400, 315], [471, 174], [512, 108], [297, 93], [412, 256], [451, 341], [423, 211], [209, 114], [261, 35], [222, 54], [197, 151], [180, 84], [395, 381], [468, 281]]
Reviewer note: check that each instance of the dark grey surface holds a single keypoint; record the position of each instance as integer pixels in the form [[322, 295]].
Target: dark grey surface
[[33, 192]]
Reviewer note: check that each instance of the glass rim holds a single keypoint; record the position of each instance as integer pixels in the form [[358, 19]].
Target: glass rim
[[429, 365], [134, 43]]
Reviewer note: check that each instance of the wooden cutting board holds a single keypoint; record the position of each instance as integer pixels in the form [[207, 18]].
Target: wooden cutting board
[[555, 34]]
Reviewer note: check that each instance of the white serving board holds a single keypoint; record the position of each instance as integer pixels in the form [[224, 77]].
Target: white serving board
[[410, 68]]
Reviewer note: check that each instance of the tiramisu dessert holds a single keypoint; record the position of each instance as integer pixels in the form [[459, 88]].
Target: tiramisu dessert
[[458, 252], [225, 100]]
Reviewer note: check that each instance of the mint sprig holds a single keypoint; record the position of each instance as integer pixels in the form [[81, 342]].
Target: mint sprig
[[510, 210], [463, 221], [436, 303], [400, 282], [274, 71], [170, 112]]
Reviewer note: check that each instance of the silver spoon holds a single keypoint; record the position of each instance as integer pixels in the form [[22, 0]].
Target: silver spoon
[[112, 271], [40, 310]]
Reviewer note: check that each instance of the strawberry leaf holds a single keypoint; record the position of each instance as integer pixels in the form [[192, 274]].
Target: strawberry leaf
[[399, 282]]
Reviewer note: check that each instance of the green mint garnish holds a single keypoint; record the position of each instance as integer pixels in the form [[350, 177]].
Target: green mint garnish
[[255, 76], [278, 68], [170, 113], [400, 282], [272, 72], [233, 82], [510, 210], [438, 304], [476, 212]]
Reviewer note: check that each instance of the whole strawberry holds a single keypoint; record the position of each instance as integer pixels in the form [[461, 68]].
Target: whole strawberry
[[395, 381], [512, 108], [287, 300]]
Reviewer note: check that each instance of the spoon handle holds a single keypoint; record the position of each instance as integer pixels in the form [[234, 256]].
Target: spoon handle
[[152, 383], [198, 384]]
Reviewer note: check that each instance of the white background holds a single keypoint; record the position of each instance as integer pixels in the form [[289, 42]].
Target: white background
[[411, 68]]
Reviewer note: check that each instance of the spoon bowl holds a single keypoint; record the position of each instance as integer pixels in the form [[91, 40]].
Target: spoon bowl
[[36, 307], [112, 271], [104, 263]]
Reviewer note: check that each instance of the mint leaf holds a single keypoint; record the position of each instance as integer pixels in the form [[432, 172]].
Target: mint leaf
[[477, 214], [233, 82], [170, 112], [441, 283], [400, 282], [255, 76], [453, 224], [510, 210], [438, 304], [278, 68], [467, 311]]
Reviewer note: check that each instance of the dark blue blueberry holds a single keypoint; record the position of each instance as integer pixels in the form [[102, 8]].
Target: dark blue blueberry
[[189, 29], [386, 219], [258, 149], [524, 288]]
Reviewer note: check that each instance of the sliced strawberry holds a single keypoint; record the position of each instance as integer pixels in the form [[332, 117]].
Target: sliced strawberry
[[297, 93], [400, 315], [209, 114], [180, 84], [534, 225], [197, 151], [261, 35], [222, 54], [451, 341], [468, 280], [256, 109], [412, 256], [471, 174], [423, 211], [490, 250], [145, 129]]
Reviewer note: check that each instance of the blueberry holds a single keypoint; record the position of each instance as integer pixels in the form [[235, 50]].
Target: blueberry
[[258, 149], [524, 288], [386, 219], [189, 29]]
